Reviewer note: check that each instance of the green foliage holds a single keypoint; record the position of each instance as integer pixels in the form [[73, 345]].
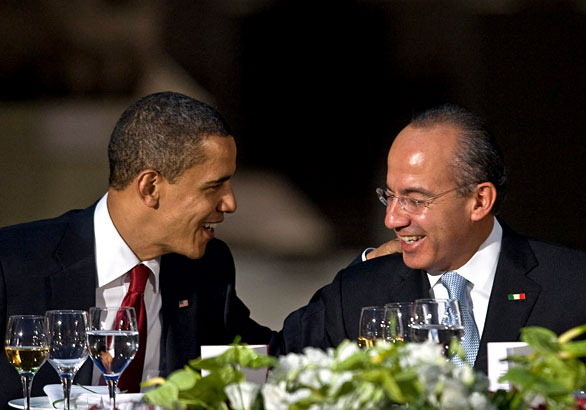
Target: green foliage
[[398, 375], [553, 373], [186, 388]]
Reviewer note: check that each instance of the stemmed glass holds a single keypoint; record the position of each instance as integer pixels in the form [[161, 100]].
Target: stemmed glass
[[438, 321], [405, 314], [66, 336], [372, 325], [26, 349], [113, 343]]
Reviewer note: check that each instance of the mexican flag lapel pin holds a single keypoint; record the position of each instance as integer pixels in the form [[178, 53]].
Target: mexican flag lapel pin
[[516, 296]]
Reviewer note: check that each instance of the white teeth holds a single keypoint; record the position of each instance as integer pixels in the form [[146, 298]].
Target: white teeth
[[210, 227], [410, 239]]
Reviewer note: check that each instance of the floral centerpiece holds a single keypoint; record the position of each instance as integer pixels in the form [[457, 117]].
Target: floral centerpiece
[[387, 375]]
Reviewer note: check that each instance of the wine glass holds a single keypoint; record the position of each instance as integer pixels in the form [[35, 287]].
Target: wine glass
[[438, 321], [26, 349], [405, 315], [373, 326], [394, 328], [113, 343], [66, 336]]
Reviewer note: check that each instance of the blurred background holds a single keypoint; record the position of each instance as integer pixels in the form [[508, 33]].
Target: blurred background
[[315, 92]]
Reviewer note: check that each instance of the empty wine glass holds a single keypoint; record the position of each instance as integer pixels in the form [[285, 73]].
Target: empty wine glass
[[26, 349], [394, 331], [438, 321], [373, 326], [66, 336], [113, 343], [405, 315]]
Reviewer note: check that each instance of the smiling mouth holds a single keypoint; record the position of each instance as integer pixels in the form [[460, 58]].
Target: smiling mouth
[[210, 227], [411, 239]]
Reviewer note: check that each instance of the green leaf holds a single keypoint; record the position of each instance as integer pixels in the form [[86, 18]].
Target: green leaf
[[165, 396], [574, 349], [572, 334], [542, 340], [184, 379]]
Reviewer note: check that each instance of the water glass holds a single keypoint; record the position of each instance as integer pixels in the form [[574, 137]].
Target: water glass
[[26, 349], [66, 337], [438, 321], [113, 342]]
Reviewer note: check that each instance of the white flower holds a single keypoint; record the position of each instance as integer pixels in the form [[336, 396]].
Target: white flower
[[277, 398], [465, 374], [416, 353], [346, 350], [242, 395], [479, 401], [454, 396]]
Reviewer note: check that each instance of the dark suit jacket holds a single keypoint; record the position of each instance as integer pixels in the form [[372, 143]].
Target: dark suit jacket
[[552, 277], [50, 264]]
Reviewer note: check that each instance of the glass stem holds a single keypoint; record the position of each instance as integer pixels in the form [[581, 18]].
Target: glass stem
[[27, 380], [66, 383], [112, 383]]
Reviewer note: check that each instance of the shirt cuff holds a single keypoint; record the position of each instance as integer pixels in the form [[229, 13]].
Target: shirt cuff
[[365, 252]]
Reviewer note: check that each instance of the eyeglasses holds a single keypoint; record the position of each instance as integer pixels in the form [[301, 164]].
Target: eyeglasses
[[410, 205]]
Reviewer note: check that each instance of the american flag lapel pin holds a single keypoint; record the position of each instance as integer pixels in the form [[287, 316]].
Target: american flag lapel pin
[[516, 296], [183, 303]]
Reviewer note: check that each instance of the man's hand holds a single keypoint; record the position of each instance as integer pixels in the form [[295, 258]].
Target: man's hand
[[392, 246]]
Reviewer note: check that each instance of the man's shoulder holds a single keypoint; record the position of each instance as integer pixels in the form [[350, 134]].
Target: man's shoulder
[[556, 253], [388, 267], [15, 238]]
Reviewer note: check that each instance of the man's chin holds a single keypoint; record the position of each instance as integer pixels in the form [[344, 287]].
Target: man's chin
[[414, 263]]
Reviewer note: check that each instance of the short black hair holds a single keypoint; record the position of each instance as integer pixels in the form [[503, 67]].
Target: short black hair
[[162, 131]]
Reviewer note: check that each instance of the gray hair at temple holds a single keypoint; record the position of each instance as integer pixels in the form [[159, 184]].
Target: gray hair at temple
[[478, 158], [165, 132]]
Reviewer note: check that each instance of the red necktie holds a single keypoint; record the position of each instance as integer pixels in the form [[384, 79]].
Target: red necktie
[[132, 375]]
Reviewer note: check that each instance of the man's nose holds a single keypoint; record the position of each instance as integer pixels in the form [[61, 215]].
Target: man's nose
[[396, 217], [228, 202]]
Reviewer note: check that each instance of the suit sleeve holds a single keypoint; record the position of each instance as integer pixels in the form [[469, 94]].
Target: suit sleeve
[[318, 324]]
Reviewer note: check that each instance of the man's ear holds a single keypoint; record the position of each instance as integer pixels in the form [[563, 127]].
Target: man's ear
[[148, 184], [484, 197]]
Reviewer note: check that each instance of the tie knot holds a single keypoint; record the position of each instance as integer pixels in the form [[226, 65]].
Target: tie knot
[[138, 278], [456, 285]]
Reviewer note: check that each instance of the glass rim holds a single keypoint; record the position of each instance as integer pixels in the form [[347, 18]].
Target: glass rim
[[430, 300], [373, 307], [66, 311], [27, 316], [398, 304], [111, 309]]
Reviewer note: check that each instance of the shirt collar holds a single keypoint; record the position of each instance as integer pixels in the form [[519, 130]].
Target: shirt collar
[[113, 256], [481, 268]]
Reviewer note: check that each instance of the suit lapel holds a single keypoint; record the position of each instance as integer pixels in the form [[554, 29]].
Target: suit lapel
[[506, 317], [74, 286]]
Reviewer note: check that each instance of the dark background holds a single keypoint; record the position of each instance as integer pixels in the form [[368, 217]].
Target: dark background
[[316, 90]]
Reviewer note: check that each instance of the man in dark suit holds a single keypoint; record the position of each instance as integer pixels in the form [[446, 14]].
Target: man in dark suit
[[445, 181], [171, 163]]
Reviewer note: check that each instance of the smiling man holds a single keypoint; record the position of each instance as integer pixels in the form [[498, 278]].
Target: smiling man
[[445, 183], [171, 163]]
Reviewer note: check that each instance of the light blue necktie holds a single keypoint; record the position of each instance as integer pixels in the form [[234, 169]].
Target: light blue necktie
[[456, 286]]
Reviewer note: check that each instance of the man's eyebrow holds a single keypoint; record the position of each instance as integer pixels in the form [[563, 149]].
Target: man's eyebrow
[[218, 181], [414, 190]]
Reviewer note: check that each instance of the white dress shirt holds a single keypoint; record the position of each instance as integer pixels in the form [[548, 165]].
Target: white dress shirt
[[479, 271], [113, 260]]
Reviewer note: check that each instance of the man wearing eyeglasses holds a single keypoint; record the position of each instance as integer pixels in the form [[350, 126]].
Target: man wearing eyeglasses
[[445, 183]]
